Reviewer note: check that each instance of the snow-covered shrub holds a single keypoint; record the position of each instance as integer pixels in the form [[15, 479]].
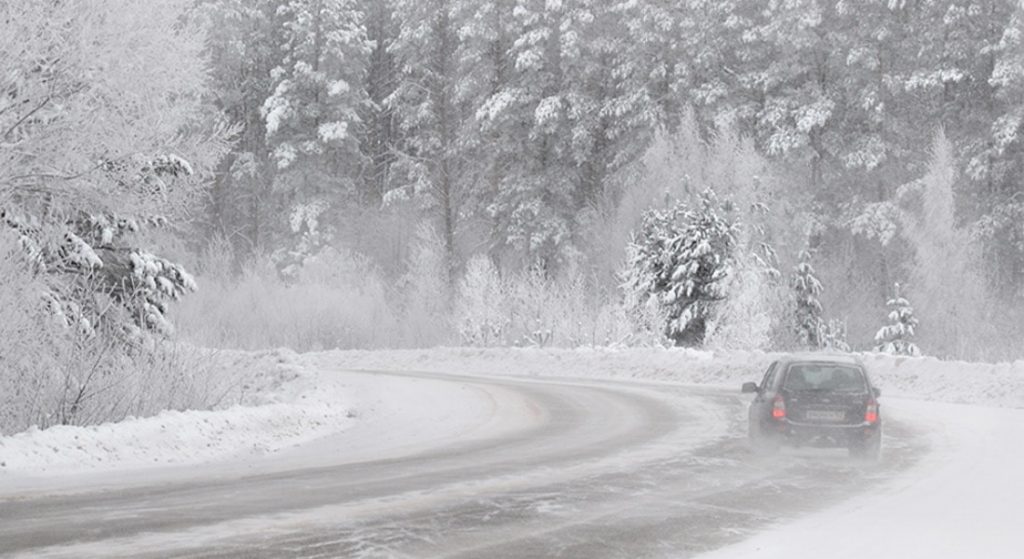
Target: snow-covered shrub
[[896, 337], [481, 314], [25, 360], [565, 311], [531, 309], [681, 257], [53, 372], [743, 320], [833, 335], [337, 300], [425, 292]]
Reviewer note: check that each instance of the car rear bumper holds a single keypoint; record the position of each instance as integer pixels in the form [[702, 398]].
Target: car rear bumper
[[817, 434]]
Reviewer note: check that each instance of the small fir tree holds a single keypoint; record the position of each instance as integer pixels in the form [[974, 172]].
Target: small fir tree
[[679, 260], [832, 335], [895, 338], [808, 307]]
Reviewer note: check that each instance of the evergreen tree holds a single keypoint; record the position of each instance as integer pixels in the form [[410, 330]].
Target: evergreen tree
[[534, 112], [378, 133], [807, 290], [289, 76], [833, 335], [896, 337], [426, 104], [242, 46], [679, 261], [312, 114]]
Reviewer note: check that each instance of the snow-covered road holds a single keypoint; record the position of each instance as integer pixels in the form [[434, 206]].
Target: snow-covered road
[[503, 467]]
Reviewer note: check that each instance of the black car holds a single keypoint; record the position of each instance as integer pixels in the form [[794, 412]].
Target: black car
[[816, 400]]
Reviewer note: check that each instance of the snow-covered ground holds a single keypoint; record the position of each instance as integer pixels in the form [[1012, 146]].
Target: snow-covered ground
[[301, 407]]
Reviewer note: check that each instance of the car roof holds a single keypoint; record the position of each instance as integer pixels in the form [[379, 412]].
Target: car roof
[[822, 357]]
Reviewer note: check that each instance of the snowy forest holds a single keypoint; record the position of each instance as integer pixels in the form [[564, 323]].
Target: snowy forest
[[361, 174]]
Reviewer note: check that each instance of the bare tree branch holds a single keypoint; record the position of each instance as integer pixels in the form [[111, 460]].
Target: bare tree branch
[[27, 116]]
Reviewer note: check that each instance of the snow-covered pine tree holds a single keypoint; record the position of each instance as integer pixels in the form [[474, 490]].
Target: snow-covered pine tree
[[833, 335], [895, 337], [680, 259], [311, 116], [807, 289], [432, 165]]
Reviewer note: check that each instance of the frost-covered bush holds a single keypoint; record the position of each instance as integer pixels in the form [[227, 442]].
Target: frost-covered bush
[[336, 300], [531, 309], [53, 372], [833, 335], [481, 309], [744, 318], [425, 292]]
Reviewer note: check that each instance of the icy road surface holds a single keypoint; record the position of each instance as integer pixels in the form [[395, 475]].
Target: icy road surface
[[548, 469]]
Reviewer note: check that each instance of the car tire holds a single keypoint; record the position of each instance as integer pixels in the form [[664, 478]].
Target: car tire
[[869, 449], [760, 442]]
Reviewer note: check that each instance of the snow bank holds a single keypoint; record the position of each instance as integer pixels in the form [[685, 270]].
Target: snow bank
[[924, 378], [284, 406], [291, 413]]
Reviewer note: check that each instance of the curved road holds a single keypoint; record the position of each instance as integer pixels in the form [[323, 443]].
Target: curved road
[[574, 469]]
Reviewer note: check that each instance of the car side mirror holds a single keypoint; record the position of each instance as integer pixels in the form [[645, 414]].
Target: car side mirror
[[877, 391], [749, 387]]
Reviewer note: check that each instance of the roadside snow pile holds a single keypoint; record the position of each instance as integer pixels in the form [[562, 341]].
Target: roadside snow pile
[[924, 378], [673, 365], [282, 406], [955, 382]]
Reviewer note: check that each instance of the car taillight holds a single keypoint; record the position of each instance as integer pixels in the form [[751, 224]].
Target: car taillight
[[871, 412], [778, 408]]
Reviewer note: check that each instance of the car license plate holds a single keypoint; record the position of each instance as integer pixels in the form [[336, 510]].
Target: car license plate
[[825, 415]]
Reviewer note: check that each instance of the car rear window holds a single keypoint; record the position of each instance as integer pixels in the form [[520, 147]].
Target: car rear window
[[824, 376]]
